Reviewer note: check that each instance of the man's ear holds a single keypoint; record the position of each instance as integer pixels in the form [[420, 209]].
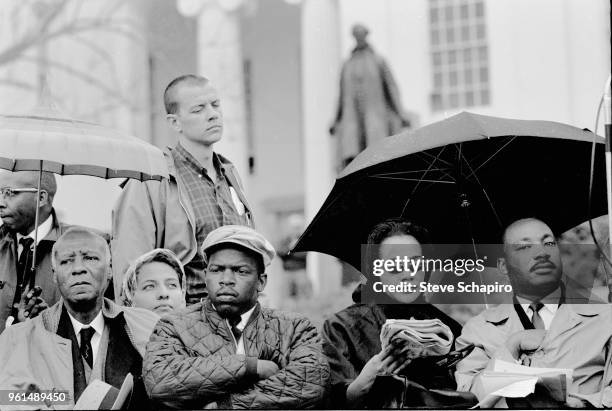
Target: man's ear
[[44, 198], [174, 122], [263, 280]]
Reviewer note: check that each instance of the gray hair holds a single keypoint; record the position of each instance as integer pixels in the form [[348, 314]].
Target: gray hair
[[80, 232], [160, 255]]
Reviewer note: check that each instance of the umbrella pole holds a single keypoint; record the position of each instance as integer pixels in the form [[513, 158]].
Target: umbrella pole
[[607, 102], [609, 179], [33, 269]]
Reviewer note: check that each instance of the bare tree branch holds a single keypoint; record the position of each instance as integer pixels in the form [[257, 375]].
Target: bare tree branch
[[114, 93], [35, 36], [77, 10], [113, 8], [99, 51]]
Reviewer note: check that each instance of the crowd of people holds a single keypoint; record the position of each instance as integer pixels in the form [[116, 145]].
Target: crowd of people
[[169, 301]]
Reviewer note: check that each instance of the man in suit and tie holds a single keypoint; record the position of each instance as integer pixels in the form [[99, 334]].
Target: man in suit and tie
[[17, 211], [540, 329], [84, 336]]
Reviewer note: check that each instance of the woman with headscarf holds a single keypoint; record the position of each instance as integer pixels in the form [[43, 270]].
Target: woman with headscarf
[[155, 281]]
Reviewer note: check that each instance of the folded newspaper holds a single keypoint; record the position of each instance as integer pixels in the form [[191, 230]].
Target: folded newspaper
[[421, 338], [502, 379]]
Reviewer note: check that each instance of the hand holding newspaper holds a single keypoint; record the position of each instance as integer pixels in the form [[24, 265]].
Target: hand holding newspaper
[[421, 338]]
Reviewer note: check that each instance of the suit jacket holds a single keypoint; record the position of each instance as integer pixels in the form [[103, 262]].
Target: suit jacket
[[44, 273], [41, 351], [579, 338]]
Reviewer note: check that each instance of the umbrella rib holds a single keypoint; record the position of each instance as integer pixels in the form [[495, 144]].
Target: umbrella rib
[[483, 190], [490, 158], [414, 179], [411, 171], [436, 158]]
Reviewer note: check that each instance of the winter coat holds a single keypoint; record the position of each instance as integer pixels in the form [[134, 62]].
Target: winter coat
[[351, 338], [32, 353], [44, 273], [191, 361], [579, 338], [158, 214]]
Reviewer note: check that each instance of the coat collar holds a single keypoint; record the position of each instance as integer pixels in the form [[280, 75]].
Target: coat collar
[[575, 312], [57, 229], [227, 169], [226, 166], [139, 322], [210, 313]]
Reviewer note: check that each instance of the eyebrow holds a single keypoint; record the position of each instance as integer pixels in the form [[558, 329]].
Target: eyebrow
[[547, 235], [238, 265]]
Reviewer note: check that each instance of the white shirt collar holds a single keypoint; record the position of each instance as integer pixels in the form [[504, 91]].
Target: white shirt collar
[[97, 324], [43, 230], [244, 318], [552, 307]]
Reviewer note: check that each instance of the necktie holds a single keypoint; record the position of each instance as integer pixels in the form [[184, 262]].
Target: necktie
[[233, 322], [24, 263], [25, 259], [85, 348], [536, 320]]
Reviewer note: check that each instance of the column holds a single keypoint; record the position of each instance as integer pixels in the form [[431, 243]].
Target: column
[[220, 60], [320, 69]]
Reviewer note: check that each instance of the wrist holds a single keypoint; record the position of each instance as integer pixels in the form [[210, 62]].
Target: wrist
[[356, 392], [251, 367]]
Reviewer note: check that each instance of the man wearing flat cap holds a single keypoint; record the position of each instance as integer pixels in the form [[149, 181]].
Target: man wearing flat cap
[[229, 352]]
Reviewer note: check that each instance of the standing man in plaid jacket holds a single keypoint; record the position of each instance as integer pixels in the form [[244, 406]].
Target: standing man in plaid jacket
[[204, 191]]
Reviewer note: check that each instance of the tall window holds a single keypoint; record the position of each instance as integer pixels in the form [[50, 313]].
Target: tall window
[[459, 54]]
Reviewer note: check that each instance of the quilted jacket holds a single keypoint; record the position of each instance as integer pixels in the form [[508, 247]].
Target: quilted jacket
[[191, 361]]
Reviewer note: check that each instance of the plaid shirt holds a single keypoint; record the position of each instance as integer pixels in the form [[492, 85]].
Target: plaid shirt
[[212, 205]]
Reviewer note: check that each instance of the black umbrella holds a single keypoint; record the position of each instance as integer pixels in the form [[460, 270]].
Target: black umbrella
[[464, 178]]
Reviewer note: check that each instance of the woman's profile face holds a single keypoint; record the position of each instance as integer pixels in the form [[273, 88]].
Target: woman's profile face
[[408, 249], [158, 288]]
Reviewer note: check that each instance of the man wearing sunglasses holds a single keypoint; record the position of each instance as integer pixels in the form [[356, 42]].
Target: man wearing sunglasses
[[19, 299]]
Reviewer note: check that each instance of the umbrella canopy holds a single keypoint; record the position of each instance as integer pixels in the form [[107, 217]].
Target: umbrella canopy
[[464, 178], [46, 141]]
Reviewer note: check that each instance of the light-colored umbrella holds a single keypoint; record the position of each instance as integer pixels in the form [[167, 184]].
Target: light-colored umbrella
[[45, 140]]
